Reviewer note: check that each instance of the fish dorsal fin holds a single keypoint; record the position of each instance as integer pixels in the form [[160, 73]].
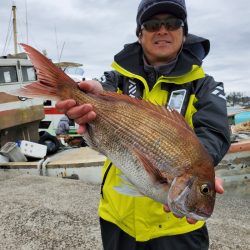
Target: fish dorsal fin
[[157, 110], [154, 173]]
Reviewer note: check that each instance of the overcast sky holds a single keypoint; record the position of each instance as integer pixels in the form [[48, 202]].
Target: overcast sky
[[91, 32]]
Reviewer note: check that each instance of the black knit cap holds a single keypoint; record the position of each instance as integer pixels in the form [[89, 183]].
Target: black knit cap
[[149, 8]]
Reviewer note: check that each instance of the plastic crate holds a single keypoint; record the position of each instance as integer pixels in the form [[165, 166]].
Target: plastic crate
[[33, 149], [13, 152], [3, 159]]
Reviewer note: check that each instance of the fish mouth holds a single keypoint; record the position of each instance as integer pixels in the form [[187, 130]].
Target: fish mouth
[[180, 210]]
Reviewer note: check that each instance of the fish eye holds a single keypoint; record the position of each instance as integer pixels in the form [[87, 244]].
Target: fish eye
[[205, 189]]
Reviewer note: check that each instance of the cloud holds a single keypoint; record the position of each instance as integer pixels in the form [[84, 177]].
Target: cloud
[[92, 32]]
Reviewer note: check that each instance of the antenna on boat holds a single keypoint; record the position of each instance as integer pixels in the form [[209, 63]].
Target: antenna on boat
[[59, 54], [57, 48]]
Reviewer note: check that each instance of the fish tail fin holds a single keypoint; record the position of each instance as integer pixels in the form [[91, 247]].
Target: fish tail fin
[[52, 83]]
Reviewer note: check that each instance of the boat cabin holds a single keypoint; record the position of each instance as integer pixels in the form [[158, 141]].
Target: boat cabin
[[19, 117]]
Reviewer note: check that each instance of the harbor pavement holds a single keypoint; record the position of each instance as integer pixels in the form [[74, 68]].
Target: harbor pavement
[[39, 212]]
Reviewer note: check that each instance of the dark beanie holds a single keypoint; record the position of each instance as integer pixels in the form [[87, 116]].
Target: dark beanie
[[149, 8]]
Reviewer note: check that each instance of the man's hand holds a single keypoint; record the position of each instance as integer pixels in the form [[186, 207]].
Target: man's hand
[[82, 114], [218, 188]]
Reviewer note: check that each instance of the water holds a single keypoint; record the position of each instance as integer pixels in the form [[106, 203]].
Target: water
[[234, 109]]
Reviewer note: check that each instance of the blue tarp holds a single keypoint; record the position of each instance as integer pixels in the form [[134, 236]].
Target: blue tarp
[[242, 117]]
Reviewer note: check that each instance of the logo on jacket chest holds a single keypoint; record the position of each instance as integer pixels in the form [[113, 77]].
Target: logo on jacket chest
[[132, 88]]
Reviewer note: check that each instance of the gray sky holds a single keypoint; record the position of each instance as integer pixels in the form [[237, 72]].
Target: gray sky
[[94, 31]]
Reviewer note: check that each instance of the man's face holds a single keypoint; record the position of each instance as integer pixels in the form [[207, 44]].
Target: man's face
[[162, 46]]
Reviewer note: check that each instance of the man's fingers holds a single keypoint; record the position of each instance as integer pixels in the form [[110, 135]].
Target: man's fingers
[[79, 111], [191, 221], [81, 130], [85, 86], [90, 116], [219, 185], [64, 106], [166, 208], [90, 86]]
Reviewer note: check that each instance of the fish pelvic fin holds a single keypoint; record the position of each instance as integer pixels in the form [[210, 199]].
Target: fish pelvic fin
[[52, 83], [155, 174], [127, 188]]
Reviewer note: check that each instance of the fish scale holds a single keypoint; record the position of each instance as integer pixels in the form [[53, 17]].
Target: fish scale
[[126, 165], [148, 136], [140, 138]]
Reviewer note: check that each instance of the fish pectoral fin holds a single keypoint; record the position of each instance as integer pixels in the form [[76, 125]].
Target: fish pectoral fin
[[155, 174], [126, 187], [127, 190]]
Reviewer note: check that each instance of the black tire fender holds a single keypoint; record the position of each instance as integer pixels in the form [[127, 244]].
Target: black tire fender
[[50, 141]]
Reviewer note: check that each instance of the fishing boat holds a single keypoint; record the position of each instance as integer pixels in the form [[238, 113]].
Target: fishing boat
[[19, 117], [73, 70], [22, 118]]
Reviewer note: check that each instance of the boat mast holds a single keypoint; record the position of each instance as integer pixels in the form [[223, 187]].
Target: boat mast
[[14, 27]]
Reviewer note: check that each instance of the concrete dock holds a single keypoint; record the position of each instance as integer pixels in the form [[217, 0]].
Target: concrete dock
[[70, 157], [48, 212], [83, 163]]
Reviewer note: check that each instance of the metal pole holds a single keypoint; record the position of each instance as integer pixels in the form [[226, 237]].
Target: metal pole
[[27, 27], [14, 28]]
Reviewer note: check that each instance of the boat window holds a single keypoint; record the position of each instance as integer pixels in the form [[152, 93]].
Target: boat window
[[8, 74], [44, 124], [71, 123], [47, 103], [28, 73], [74, 71]]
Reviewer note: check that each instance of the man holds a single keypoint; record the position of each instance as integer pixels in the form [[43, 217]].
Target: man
[[63, 126], [164, 67]]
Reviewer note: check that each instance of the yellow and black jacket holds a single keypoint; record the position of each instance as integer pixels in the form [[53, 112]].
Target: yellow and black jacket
[[204, 108]]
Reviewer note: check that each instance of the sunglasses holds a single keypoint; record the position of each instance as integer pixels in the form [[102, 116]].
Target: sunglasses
[[154, 25]]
